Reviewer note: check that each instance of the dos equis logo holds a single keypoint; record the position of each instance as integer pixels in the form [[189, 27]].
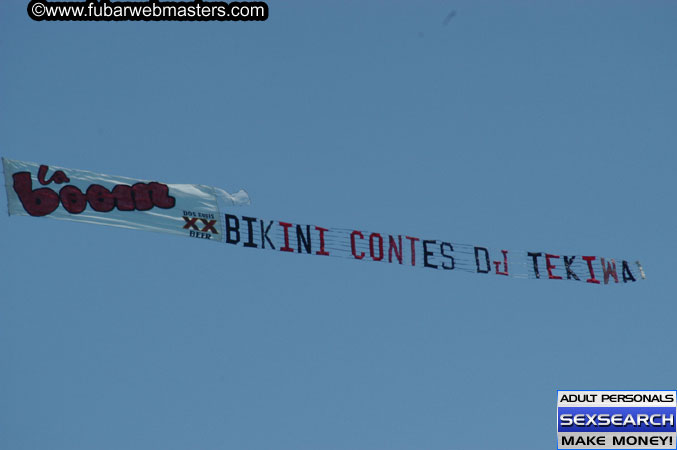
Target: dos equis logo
[[206, 227], [44, 201]]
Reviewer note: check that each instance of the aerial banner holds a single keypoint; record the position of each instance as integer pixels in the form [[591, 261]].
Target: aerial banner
[[204, 212], [417, 251], [71, 194]]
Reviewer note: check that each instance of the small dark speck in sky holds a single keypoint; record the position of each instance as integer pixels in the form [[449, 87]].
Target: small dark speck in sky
[[447, 19]]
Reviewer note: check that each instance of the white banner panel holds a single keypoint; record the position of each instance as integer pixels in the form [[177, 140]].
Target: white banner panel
[[83, 196]]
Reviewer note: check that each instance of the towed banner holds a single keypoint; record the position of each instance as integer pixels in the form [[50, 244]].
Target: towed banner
[[70, 194], [195, 211], [416, 251]]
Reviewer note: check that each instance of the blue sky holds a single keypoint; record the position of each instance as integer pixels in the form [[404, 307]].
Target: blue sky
[[526, 125]]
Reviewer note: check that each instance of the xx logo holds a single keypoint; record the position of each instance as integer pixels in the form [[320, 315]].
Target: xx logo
[[208, 224]]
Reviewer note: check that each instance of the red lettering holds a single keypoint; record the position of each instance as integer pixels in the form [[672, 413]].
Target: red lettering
[[380, 246], [286, 247], [160, 195], [42, 171], [147, 195], [413, 249], [58, 177], [100, 198], [609, 269], [142, 196], [190, 223], [124, 200], [394, 246], [209, 226], [72, 199], [352, 244], [589, 260], [505, 264], [322, 231], [550, 266], [44, 201], [39, 202]]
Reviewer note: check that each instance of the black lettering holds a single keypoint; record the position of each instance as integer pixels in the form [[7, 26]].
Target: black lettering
[[534, 257], [570, 273], [264, 235], [232, 228], [300, 238], [451, 258], [626, 270], [426, 253], [250, 230], [486, 258]]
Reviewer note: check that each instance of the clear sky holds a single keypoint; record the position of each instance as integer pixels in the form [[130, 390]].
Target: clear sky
[[544, 126]]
